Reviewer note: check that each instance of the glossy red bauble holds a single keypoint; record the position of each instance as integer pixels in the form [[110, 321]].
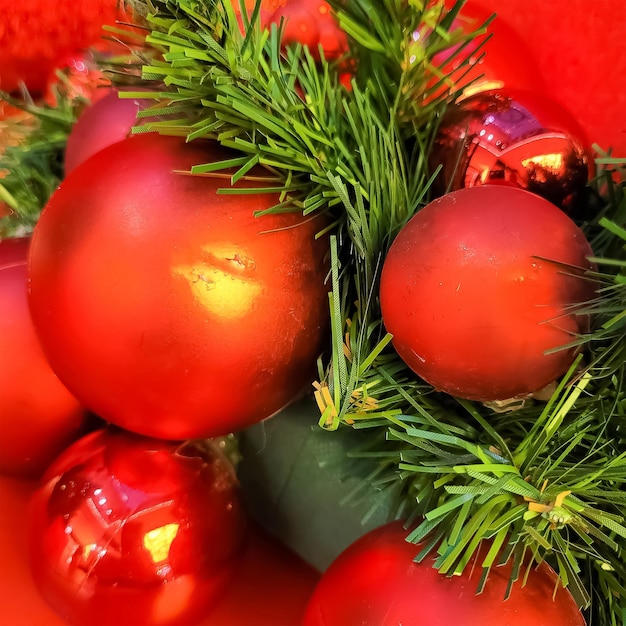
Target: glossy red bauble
[[478, 286], [107, 121], [170, 309], [130, 530], [39, 417], [515, 138], [375, 582]]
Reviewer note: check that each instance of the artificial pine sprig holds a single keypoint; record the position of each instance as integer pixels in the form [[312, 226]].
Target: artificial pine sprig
[[539, 479], [32, 155]]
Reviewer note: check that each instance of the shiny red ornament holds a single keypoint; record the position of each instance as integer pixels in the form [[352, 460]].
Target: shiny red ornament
[[479, 285], [581, 59], [514, 138], [37, 37], [375, 582], [170, 309], [39, 417], [130, 530], [100, 125]]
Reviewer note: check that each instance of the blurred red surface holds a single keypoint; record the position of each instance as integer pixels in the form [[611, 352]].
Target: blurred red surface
[[271, 589], [580, 51]]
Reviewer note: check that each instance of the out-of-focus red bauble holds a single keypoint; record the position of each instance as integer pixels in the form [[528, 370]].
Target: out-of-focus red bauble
[[102, 124], [375, 582], [514, 138], [168, 308], [498, 59], [311, 23], [130, 530], [37, 37], [39, 417]]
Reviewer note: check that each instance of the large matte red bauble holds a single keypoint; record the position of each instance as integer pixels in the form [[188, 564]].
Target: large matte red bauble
[[130, 530], [514, 138], [478, 286], [375, 582], [170, 309], [102, 124], [39, 417]]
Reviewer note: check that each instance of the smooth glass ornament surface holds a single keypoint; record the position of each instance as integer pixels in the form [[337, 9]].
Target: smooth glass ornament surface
[[375, 582], [514, 138], [130, 530]]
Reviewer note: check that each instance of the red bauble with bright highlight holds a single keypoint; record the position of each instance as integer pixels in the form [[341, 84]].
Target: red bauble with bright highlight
[[39, 417], [514, 137], [130, 530], [170, 309], [479, 285], [375, 582], [109, 120]]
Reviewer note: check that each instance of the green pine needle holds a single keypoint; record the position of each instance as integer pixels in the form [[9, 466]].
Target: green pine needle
[[33, 165]]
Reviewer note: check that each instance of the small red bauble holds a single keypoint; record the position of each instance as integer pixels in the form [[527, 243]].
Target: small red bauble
[[39, 417], [130, 530], [170, 309], [514, 138], [375, 582], [36, 37], [477, 287], [311, 23], [102, 124]]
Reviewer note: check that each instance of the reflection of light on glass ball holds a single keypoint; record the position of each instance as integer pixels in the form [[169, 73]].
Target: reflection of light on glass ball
[[514, 138], [158, 541]]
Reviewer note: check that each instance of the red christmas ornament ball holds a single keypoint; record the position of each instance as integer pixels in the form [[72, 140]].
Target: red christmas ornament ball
[[479, 285], [170, 309], [36, 37], [375, 582], [514, 138], [39, 417], [109, 120], [130, 530]]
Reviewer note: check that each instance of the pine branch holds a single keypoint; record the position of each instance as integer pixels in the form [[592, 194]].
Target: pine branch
[[539, 479]]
